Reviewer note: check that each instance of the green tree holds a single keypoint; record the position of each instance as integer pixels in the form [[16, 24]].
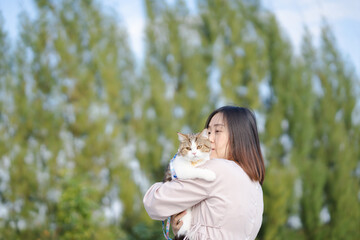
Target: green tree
[[82, 132], [280, 173], [335, 132], [69, 116], [175, 77], [235, 32], [312, 171]]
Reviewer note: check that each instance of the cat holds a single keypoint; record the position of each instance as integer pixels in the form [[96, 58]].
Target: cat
[[194, 150]]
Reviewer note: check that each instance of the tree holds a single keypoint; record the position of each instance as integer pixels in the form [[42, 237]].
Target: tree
[[312, 171], [71, 107], [83, 133], [280, 173], [338, 144]]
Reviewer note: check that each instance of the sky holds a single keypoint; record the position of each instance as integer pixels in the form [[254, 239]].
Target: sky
[[342, 15]]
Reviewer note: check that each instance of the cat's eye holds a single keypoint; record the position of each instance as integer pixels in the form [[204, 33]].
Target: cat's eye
[[188, 148], [198, 147]]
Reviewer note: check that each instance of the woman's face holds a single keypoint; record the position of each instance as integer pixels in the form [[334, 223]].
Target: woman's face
[[219, 137]]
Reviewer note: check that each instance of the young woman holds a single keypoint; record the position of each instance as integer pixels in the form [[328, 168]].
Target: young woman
[[231, 206]]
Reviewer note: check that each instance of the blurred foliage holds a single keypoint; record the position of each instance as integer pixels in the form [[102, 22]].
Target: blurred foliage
[[85, 129]]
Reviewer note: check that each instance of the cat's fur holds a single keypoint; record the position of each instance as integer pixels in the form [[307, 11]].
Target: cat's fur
[[194, 150]]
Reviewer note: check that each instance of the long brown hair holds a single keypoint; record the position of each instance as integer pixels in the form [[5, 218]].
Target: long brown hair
[[243, 140]]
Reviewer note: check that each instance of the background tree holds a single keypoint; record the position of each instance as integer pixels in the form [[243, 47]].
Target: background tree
[[335, 135], [311, 172], [85, 129]]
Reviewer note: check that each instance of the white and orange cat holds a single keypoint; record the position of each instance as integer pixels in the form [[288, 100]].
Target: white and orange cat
[[194, 150]]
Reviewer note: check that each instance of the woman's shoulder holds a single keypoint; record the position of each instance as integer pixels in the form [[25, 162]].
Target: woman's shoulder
[[219, 164], [225, 167]]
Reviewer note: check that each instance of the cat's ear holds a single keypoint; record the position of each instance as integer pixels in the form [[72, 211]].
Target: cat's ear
[[204, 133], [182, 137]]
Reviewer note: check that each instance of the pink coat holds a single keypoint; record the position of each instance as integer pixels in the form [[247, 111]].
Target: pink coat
[[229, 208]]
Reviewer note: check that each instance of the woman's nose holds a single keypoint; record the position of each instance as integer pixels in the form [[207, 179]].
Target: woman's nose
[[211, 138]]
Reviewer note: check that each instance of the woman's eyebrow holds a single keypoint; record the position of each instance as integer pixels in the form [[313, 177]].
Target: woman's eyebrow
[[217, 125]]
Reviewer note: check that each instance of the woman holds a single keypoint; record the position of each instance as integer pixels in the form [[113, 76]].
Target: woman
[[230, 207]]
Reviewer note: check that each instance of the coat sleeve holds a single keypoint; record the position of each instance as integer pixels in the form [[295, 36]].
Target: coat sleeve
[[166, 199]]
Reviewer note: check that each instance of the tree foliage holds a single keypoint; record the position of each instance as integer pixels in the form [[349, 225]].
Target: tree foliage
[[85, 129]]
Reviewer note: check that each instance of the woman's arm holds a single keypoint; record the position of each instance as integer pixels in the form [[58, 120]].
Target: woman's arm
[[166, 199]]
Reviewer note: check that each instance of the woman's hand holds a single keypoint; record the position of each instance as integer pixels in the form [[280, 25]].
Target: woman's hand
[[176, 222]]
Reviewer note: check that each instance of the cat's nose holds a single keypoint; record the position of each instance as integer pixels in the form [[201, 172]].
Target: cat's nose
[[194, 153]]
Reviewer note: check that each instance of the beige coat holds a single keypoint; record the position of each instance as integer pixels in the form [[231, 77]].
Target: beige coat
[[229, 208]]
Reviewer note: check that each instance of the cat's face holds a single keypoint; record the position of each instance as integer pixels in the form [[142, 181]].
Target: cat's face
[[195, 146]]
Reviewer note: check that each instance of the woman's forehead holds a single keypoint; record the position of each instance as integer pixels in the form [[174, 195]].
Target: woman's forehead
[[217, 120]]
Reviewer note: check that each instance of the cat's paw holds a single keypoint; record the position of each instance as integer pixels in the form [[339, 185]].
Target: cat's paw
[[210, 176]]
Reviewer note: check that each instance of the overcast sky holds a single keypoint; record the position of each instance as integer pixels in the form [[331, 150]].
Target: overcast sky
[[342, 15]]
